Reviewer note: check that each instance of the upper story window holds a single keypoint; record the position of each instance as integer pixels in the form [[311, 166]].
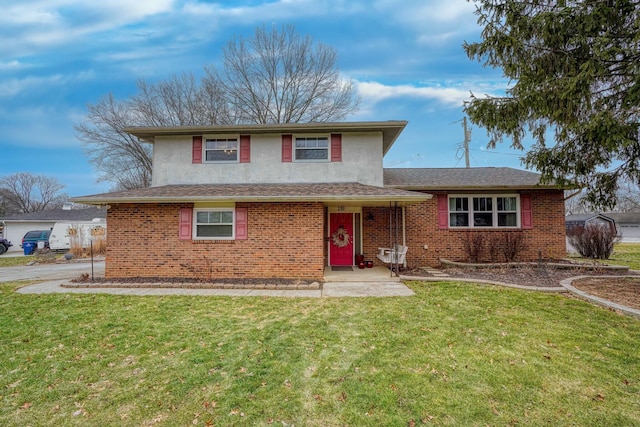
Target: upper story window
[[312, 148], [484, 211], [221, 149]]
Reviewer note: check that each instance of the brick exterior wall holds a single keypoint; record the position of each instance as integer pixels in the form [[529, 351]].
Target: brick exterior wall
[[285, 240], [288, 240], [545, 239]]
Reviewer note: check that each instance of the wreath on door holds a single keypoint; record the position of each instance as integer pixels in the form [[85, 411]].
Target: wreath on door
[[341, 237]]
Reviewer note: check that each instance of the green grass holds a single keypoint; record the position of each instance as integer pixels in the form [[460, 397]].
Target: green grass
[[6, 261], [626, 254], [455, 354]]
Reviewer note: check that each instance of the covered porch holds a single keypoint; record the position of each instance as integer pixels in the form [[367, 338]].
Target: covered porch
[[369, 232]]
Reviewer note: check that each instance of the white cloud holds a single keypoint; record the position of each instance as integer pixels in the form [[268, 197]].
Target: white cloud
[[374, 92], [33, 26], [265, 12], [48, 126], [12, 65], [12, 87], [434, 21]]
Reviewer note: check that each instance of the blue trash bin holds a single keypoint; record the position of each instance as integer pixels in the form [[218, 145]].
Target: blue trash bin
[[28, 248]]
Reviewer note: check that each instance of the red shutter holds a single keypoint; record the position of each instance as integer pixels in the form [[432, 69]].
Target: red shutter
[[526, 211], [287, 149], [186, 216], [443, 211], [245, 148], [241, 224], [336, 147], [196, 150]]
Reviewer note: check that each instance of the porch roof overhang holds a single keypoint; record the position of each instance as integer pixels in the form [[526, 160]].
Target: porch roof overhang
[[334, 194], [390, 129]]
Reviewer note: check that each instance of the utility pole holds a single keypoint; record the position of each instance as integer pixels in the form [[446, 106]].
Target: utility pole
[[467, 139]]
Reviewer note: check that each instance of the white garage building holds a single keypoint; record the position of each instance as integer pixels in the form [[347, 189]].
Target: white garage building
[[17, 225]]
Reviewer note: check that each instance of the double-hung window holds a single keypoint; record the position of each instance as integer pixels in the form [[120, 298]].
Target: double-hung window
[[311, 149], [458, 211], [507, 211], [214, 224], [221, 150], [484, 211]]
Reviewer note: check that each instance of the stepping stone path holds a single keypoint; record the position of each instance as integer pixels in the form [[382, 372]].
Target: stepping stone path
[[434, 272]]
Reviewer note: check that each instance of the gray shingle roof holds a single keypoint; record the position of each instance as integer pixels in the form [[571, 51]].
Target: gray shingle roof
[[86, 214], [461, 178], [334, 192], [625, 218], [586, 217]]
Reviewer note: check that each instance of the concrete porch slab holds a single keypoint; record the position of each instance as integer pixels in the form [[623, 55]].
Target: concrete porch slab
[[375, 274]]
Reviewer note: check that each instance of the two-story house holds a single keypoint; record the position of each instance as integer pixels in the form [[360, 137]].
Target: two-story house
[[288, 200]]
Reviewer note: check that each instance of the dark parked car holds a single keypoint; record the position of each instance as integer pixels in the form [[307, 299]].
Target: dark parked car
[[33, 237], [4, 245]]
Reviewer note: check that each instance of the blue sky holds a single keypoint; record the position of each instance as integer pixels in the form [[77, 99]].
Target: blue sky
[[406, 59]]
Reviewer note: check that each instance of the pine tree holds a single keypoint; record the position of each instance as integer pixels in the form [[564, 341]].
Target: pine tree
[[575, 73]]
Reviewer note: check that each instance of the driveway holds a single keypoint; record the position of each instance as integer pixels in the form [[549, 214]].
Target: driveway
[[69, 270]]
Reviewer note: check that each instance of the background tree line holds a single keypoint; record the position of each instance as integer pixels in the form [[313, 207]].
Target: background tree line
[[25, 192]]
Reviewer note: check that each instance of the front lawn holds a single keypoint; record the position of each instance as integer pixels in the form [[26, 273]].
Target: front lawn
[[455, 354], [13, 261], [626, 254]]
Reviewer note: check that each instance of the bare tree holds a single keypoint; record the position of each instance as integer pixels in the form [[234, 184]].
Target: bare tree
[[275, 77], [25, 192], [628, 197], [113, 152], [179, 101], [574, 203], [282, 77]]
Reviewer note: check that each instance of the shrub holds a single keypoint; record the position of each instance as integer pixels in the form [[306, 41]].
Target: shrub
[[593, 240], [474, 246], [493, 247], [512, 245]]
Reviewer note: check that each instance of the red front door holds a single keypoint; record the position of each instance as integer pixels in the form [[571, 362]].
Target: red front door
[[340, 239]]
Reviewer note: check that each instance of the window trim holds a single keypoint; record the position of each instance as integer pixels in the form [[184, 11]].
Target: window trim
[[494, 211], [194, 231], [294, 149], [220, 137]]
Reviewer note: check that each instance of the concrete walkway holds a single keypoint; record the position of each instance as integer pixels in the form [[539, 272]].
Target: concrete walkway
[[327, 290]]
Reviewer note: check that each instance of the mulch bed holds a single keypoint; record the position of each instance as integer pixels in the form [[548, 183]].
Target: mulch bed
[[617, 287], [181, 282], [537, 276], [623, 290]]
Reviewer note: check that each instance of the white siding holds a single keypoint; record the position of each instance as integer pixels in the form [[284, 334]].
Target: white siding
[[361, 162], [15, 231]]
